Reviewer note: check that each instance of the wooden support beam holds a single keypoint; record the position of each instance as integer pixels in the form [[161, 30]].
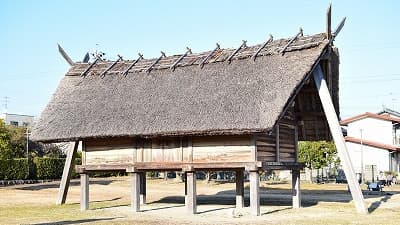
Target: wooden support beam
[[190, 200], [296, 194], [337, 135], [84, 191], [255, 193], [135, 191], [66, 177], [143, 188], [277, 157], [296, 144], [239, 189]]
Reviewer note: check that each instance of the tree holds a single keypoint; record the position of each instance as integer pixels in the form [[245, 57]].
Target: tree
[[317, 154], [5, 142]]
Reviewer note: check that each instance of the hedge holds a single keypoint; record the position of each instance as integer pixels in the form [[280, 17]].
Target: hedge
[[49, 168], [14, 169], [39, 168]]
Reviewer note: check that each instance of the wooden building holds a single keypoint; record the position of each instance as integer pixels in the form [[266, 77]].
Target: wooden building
[[225, 109]]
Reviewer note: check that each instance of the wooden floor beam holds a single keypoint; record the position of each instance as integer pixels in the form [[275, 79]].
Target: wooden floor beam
[[255, 193], [239, 189], [66, 176], [340, 143]]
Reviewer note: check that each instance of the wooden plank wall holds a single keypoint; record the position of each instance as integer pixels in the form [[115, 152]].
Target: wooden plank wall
[[266, 145], [169, 149]]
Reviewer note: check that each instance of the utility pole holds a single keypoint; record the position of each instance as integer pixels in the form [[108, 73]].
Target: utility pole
[[362, 155], [6, 98]]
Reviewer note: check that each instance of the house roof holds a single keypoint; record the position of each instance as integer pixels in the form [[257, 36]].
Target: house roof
[[372, 143], [370, 115], [390, 112], [244, 96]]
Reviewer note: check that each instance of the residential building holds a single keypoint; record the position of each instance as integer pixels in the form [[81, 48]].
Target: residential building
[[17, 119], [373, 142]]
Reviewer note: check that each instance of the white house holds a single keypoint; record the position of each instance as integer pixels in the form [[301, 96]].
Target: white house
[[17, 119], [373, 142]]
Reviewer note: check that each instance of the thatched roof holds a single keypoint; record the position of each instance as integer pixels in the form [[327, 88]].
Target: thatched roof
[[243, 96]]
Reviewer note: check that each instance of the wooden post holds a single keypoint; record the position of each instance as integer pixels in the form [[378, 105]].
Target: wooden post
[[277, 147], [143, 188], [84, 191], [190, 199], [66, 177], [254, 193], [135, 191], [296, 195], [337, 135], [239, 189]]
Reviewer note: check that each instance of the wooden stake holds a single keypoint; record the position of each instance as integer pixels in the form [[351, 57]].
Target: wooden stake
[[337, 135], [66, 177], [89, 67]]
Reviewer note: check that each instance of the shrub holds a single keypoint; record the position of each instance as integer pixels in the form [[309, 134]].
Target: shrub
[[13, 169], [49, 168]]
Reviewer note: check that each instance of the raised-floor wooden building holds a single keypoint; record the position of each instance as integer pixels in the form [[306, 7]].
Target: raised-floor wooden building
[[225, 109]]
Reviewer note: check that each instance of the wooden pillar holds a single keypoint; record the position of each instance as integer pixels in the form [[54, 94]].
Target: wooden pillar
[[254, 193], [337, 135], [84, 191], [143, 188], [239, 189], [135, 191], [66, 176], [296, 195], [190, 199]]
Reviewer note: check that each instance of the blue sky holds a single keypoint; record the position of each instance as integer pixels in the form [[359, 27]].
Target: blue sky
[[31, 66]]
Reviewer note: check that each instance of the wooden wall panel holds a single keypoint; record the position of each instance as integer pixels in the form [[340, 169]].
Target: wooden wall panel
[[222, 149]]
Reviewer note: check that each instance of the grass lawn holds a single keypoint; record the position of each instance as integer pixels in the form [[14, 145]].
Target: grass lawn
[[109, 204]]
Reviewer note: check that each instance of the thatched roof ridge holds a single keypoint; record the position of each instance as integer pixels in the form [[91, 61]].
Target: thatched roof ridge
[[244, 96], [220, 55]]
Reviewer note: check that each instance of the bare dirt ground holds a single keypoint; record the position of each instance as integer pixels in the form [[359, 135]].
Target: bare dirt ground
[[109, 204]]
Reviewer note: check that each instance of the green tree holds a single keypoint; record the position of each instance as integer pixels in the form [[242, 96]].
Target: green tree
[[5, 142], [317, 154]]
